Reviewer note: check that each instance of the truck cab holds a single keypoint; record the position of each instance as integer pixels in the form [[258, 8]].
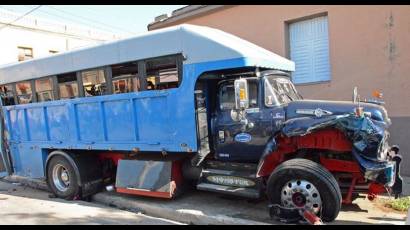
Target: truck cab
[[265, 139], [240, 134]]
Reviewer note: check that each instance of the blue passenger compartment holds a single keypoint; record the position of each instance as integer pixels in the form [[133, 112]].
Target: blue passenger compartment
[[147, 120]]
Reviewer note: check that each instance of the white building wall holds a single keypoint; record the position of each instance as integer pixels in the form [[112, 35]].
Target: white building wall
[[43, 36]]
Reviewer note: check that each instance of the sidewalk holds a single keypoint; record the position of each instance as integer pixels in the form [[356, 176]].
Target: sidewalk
[[21, 205], [197, 207]]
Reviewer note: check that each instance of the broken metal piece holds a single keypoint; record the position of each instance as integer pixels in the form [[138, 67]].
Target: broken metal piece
[[284, 214], [135, 149], [311, 218], [110, 188], [293, 215]]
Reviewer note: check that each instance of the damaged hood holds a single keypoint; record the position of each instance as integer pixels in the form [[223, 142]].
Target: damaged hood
[[321, 108], [368, 136]]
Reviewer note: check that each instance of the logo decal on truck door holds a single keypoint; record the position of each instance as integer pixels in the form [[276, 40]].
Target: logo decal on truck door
[[243, 137]]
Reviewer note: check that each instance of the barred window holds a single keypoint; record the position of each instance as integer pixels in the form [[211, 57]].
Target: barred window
[[24, 92], [94, 82], [7, 94], [44, 89], [67, 85], [24, 53], [125, 78], [162, 73]]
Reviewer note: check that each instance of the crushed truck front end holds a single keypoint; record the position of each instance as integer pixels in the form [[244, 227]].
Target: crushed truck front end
[[379, 163]]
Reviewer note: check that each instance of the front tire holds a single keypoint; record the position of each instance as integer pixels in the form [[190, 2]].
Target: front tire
[[304, 184], [62, 179]]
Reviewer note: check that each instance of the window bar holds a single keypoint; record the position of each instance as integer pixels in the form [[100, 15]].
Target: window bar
[[56, 90], [33, 91], [80, 84], [142, 75], [108, 80]]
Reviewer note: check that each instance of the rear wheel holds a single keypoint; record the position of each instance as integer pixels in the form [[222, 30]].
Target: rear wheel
[[62, 178], [304, 184]]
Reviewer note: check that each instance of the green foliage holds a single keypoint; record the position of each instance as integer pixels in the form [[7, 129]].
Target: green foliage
[[401, 204]]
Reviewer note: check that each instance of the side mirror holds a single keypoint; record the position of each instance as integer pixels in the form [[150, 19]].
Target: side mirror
[[241, 94]]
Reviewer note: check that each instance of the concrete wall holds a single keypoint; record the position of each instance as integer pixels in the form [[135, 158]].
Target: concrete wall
[[40, 42], [369, 48], [43, 35]]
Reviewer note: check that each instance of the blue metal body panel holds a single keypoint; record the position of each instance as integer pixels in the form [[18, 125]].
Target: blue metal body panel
[[148, 120]]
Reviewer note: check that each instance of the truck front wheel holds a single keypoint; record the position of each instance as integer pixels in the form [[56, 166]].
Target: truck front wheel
[[304, 184]]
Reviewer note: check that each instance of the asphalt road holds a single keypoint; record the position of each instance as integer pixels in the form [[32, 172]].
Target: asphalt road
[[23, 205]]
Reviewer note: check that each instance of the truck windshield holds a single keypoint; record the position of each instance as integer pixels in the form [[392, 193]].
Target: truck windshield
[[279, 90]]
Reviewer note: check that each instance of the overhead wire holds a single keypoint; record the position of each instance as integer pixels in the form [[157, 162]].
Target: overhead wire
[[60, 21], [91, 20], [20, 17], [64, 19]]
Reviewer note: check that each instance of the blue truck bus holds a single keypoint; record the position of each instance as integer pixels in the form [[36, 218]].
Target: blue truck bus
[[190, 106]]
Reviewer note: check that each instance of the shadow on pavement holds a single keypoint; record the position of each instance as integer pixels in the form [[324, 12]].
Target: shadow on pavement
[[387, 218], [353, 208]]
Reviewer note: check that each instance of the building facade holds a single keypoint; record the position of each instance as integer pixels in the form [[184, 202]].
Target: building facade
[[33, 37], [335, 48]]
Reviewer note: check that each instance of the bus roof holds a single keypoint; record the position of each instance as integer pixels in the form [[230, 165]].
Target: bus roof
[[197, 43]]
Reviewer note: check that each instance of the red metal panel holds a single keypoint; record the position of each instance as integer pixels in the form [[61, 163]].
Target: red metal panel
[[145, 193], [115, 157], [327, 139], [334, 165]]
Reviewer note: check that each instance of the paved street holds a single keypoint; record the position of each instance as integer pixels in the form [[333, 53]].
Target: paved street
[[207, 204], [23, 205]]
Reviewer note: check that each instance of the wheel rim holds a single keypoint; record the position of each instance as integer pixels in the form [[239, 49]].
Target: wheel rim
[[61, 178], [301, 194]]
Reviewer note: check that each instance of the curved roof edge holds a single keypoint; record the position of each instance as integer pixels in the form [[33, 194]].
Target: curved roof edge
[[198, 44]]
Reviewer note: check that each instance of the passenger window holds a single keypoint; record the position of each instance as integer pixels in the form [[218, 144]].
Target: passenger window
[[94, 83], [67, 86], [227, 97], [125, 78], [162, 73], [44, 89], [24, 92], [7, 95]]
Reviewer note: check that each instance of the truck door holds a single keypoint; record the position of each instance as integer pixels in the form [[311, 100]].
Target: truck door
[[233, 141], [202, 124]]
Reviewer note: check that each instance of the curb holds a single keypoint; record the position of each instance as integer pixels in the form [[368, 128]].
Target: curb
[[158, 210], [32, 183], [182, 215]]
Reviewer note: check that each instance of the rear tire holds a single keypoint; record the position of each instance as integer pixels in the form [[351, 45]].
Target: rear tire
[[62, 178], [315, 178]]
